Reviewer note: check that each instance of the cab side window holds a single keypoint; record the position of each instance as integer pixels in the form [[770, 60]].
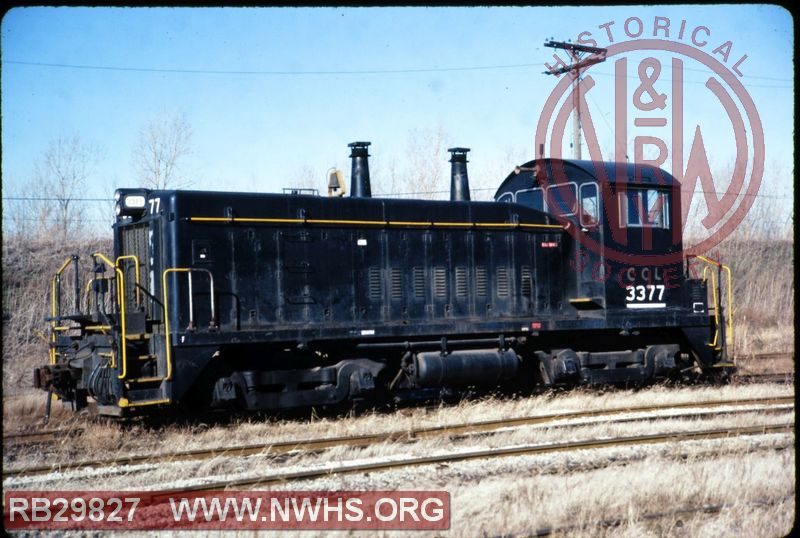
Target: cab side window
[[562, 199], [533, 198], [590, 205], [648, 208]]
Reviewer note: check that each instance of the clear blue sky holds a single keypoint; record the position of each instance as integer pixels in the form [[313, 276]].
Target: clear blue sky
[[261, 128]]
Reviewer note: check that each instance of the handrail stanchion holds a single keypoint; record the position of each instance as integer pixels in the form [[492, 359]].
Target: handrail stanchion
[[136, 268], [165, 293], [55, 299], [717, 292], [121, 303]]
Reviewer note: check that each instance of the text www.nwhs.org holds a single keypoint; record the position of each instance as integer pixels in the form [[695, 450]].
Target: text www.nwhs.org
[[410, 510]]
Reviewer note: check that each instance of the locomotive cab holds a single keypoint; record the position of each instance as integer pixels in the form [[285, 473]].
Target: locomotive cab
[[626, 266]]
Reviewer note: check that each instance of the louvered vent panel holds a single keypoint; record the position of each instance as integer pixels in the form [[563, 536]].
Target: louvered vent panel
[[375, 283], [397, 284], [527, 282], [419, 282], [502, 282], [480, 281], [440, 282], [461, 281]]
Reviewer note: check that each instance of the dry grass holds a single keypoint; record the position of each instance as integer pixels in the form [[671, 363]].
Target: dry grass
[[655, 485], [111, 441], [523, 493], [766, 365], [103, 438], [506, 495], [25, 412]]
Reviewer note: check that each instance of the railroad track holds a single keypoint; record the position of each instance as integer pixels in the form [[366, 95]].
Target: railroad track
[[764, 378], [44, 436], [765, 356], [465, 429], [310, 474]]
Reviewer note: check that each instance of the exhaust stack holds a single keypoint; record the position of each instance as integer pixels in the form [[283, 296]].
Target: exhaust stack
[[359, 174], [459, 182]]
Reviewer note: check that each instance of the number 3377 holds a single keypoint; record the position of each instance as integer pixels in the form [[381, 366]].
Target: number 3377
[[641, 292]]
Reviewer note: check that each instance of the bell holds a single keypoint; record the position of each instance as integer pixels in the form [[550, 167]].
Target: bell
[[335, 183]]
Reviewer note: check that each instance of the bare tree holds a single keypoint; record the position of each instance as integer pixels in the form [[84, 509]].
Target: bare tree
[[50, 205], [306, 178], [426, 159], [422, 171], [163, 145]]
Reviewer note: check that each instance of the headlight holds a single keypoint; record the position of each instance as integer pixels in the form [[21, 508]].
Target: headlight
[[134, 201], [131, 203]]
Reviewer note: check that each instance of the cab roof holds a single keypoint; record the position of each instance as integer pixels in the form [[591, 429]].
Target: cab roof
[[583, 170]]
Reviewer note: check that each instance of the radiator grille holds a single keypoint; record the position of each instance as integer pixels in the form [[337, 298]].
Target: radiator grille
[[419, 282], [440, 282], [502, 282], [480, 281], [527, 281], [133, 241], [461, 281], [397, 284], [375, 283]]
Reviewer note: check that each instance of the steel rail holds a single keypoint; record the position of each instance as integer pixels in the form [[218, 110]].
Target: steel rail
[[40, 436], [311, 474], [471, 428], [766, 356], [764, 378]]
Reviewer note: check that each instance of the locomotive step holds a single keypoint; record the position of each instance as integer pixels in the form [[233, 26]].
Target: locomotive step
[[124, 402], [143, 380], [138, 336], [144, 394]]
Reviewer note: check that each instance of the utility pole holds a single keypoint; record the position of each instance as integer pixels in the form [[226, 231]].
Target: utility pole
[[576, 54]]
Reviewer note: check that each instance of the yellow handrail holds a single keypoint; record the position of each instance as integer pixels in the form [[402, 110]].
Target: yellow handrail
[[136, 268], [727, 269], [167, 343], [121, 302], [53, 302], [716, 304], [164, 290]]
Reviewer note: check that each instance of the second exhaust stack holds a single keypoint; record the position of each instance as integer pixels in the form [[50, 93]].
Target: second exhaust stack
[[359, 173], [459, 181]]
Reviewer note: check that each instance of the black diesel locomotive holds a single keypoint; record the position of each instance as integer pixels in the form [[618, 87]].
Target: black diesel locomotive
[[272, 301]]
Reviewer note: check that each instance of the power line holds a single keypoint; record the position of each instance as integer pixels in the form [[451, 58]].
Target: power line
[[43, 199], [257, 72], [56, 220], [608, 125], [686, 81], [747, 76], [351, 72]]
